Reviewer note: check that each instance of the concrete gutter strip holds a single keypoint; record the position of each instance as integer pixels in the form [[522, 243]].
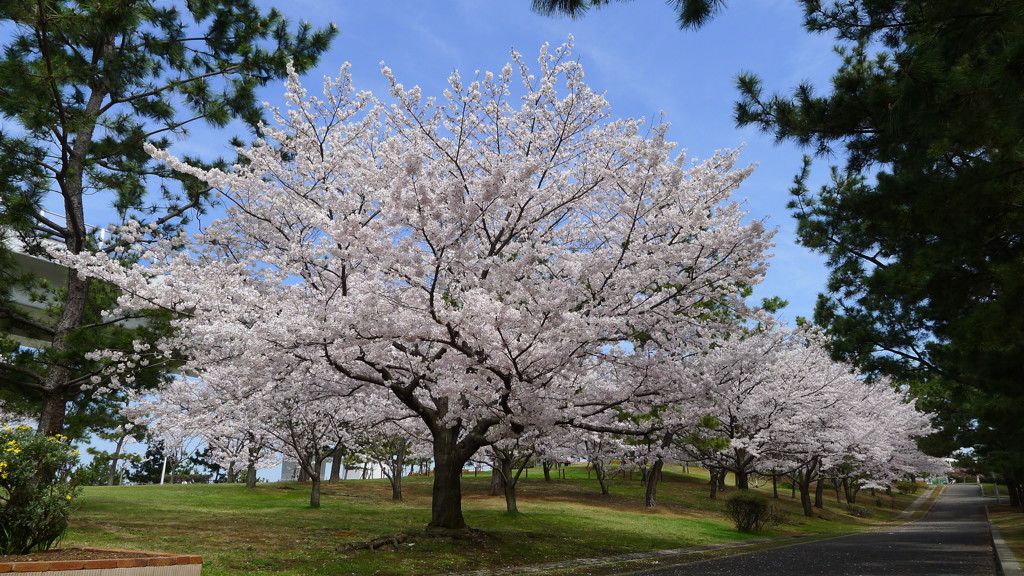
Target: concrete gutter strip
[[920, 501]]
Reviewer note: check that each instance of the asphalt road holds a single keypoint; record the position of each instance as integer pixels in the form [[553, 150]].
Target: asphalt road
[[952, 539]]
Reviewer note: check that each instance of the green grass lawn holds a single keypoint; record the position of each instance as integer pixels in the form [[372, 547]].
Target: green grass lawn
[[271, 529], [1010, 522]]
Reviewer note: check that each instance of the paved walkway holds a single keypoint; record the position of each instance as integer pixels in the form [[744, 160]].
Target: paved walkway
[[936, 541], [952, 539]]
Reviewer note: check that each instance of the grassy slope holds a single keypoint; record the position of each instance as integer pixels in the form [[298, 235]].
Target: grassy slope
[[272, 529], [1008, 520]]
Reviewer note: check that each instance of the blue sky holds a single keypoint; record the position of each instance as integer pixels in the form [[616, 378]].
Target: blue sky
[[635, 53]]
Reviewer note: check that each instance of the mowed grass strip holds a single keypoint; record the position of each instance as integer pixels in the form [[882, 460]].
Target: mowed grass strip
[[1010, 523], [271, 529]]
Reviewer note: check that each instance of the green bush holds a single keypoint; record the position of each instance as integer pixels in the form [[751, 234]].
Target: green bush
[[36, 490], [860, 511], [752, 512], [907, 487]]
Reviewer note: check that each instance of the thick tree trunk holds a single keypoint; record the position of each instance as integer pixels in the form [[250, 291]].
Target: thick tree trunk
[[775, 486], [819, 493], [651, 494], [397, 468], [250, 463], [314, 492], [804, 484], [1015, 487], [336, 464], [55, 401], [396, 487], [547, 464], [446, 503], [714, 482], [850, 490], [803, 479], [741, 470], [250, 476], [511, 505], [311, 468], [742, 479], [497, 479]]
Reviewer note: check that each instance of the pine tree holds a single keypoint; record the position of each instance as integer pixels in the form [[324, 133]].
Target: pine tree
[[922, 224], [689, 13], [82, 86]]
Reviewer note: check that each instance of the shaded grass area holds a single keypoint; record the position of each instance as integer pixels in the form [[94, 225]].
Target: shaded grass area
[[1010, 523], [271, 529]]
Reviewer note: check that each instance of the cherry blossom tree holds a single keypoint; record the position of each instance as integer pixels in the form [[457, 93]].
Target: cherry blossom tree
[[473, 254], [226, 419], [391, 444], [775, 402]]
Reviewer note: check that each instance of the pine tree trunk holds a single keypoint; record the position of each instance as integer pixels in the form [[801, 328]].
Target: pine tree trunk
[[112, 478], [1013, 488], [55, 400]]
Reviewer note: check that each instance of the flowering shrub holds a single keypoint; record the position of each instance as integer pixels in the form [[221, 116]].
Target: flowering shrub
[[36, 490]]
